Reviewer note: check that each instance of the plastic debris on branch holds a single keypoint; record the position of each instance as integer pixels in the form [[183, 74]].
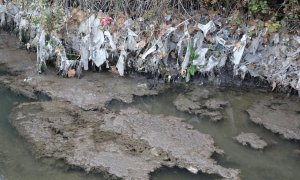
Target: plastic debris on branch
[[163, 48]]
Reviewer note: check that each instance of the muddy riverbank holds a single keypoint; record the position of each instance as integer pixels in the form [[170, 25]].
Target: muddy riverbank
[[93, 92], [128, 145], [203, 44], [279, 114], [273, 162], [76, 125], [17, 161]]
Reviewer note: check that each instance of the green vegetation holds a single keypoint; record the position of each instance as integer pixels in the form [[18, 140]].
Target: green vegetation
[[283, 12], [259, 6], [192, 68]]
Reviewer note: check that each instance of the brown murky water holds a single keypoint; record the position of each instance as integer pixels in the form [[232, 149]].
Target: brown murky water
[[278, 161], [16, 162]]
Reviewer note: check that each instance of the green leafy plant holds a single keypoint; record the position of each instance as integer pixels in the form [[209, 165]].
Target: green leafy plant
[[192, 68], [274, 27], [50, 17], [291, 10], [258, 6], [238, 22], [291, 15]]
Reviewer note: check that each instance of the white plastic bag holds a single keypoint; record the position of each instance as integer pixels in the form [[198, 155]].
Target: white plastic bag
[[100, 56], [131, 42], [210, 26], [239, 50], [200, 61], [111, 42], [121, 63], [212, 62]]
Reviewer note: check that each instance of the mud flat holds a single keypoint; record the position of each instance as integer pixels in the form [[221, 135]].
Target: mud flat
[[129, 144], [92, 91], [200, 102], [279, 115]]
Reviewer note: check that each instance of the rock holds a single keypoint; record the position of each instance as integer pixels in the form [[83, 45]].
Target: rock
[[251, 139], [129, 144], [280, 115]]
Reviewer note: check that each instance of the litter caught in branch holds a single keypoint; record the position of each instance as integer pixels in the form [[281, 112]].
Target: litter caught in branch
[[99, 56], [212, 62], [238, 50], [186, 59], [131, 42], [201, 60], [210, 26], [121, 63], [111, 42], [157, 47]]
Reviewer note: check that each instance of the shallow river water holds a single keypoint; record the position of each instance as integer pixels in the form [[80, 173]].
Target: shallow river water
[[278, 161], [16, 162]]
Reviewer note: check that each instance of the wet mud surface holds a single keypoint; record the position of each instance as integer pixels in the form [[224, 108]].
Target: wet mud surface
[[129, 145], [252, 140], [77, 127], [92, 91], [279, 115], [200, 102]]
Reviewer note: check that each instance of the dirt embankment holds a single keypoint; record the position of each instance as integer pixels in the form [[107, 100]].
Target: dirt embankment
[[205, 41], [128, 145], [92, 91]]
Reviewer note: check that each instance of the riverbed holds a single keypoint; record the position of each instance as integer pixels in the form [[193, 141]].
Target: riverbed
[[134, 104], [280, 160], [18, 163]]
